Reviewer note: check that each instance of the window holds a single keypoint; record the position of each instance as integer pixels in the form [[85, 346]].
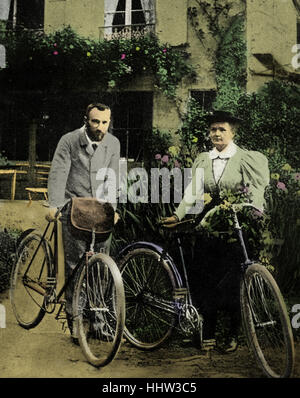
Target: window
[[27, 14], [132, 122], [128, 18], [204, 98]]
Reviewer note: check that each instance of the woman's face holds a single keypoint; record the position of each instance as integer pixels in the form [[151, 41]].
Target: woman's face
[[221, 135]]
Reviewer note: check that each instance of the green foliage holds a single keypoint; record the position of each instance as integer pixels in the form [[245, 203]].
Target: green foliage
[[230, 59], [230, 65], [220, 223], [283, 198], [3, 160], [65, 60], [156, 143], [272, 117], [214, 12], [194, 131]]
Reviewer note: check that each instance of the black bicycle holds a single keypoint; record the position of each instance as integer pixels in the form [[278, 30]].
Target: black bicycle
[[98, 300], [158, 299]]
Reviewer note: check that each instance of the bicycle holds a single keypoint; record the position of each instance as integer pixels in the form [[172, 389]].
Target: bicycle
[[158, 299], [98, 299]]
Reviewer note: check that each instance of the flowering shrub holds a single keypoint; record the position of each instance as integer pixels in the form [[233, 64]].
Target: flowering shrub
[[220, 222], [65, 60], [283, 198], [8, 241]]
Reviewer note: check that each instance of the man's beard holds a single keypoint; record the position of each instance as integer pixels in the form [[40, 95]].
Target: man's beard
[[94, 136]]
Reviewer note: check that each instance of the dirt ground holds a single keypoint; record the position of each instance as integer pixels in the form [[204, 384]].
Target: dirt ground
[[47, 352]]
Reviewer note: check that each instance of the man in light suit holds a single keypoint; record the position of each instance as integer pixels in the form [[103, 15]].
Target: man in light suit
[[85, 164]]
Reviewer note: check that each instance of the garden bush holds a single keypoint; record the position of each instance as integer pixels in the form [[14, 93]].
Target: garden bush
[[8, 240]]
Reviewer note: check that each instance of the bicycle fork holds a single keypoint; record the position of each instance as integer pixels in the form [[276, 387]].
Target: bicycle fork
[[189, 318]]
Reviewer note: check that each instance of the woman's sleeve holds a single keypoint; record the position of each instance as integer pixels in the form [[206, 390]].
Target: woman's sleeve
[[192, 202], [256, 175]]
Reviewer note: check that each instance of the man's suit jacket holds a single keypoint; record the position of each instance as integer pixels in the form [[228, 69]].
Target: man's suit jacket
[[78, 171]]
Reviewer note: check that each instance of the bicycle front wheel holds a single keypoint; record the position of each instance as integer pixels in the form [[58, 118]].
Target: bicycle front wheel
[[266, 322], [99, 309], [149, 287], [28, 282]]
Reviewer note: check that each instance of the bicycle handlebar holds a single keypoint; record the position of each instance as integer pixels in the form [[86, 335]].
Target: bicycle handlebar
[[57, 213], [236, 207]]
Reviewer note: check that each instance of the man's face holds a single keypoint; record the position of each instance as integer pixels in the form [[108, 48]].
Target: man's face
[[221, 134], [97, 123]]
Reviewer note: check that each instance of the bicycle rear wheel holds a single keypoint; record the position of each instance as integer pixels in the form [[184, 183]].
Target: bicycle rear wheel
[[99, 309], [28, 281], [149, 287], [266, 322]]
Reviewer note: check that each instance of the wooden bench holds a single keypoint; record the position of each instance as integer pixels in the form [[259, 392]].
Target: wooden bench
[[35, 191], [13, 173]]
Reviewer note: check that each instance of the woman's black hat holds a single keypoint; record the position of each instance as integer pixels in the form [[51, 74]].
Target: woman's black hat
[[222, 116]]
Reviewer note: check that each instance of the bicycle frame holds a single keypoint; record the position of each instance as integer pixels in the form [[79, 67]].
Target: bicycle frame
[[238, 230], [52, 281], [183, 288]]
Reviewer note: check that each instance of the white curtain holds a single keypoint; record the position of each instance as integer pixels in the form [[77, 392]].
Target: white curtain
[[148, 5], [109, 12], [111, 7], [4, 9]]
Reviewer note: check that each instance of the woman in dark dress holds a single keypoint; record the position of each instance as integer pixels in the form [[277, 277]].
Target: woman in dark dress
[[226, 167]]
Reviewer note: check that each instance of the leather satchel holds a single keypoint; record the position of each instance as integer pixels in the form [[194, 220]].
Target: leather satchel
[[88, 215]]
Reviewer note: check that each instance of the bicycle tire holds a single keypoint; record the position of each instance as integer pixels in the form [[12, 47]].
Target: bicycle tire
[[99, 309], [27, 292], [148, 283], [266, 322]]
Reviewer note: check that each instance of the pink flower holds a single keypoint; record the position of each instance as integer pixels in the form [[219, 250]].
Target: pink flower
[[165, 159], [55, 52], [123, 56], [157, 156], [281, 185], [164, 50], [55, 44]]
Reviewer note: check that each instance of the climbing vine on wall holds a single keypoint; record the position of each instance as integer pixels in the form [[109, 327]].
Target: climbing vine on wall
[[214, 12], [229, 58], [231, 65]]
